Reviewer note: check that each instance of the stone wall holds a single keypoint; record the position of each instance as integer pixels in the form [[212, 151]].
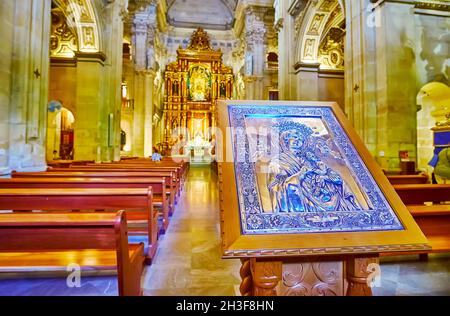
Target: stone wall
[[25, 67], [7, 27]]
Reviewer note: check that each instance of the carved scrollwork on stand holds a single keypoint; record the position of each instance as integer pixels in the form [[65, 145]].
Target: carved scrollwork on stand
[[312, 279], [357, 274], [266, 276]]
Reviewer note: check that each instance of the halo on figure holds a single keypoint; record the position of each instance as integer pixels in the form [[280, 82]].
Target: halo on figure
[[279, 132]]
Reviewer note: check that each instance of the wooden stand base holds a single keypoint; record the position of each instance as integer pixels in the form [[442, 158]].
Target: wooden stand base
[[308, 276]]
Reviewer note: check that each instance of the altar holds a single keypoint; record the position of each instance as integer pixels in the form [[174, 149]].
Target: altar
[[199, 151], [193, 85]]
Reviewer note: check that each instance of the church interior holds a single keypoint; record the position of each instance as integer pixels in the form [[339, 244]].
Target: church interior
[[112, 175]]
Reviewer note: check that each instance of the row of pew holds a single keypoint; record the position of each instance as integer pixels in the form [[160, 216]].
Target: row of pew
[[105, 219], [429, 204]]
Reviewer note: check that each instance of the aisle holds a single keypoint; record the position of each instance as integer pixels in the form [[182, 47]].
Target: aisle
[[188, 260]]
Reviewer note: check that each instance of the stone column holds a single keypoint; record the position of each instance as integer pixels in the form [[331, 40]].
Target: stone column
[[143, 41], [380, 77], [360, 70], [114, 14], [148, 130], [29, 69], [284, 26], [308, 81], [255, 54], [396, 83], [91, 124], [6, 49]]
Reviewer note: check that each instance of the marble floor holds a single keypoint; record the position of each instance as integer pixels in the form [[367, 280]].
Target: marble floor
[[188, 262]]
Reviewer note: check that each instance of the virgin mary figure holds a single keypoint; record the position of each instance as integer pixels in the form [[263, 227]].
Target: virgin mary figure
[[199, 84], [298, 180]]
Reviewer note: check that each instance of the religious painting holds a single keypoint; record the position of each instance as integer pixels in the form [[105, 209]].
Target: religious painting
[[295, 175], [306, 174], [199, 83]]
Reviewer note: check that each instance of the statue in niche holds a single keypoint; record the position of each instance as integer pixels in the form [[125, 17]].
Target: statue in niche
[[299, 180], [175, 88], [223, 91], [199, 84]]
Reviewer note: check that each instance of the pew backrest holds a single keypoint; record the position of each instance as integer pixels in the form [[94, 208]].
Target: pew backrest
[[52, 233]]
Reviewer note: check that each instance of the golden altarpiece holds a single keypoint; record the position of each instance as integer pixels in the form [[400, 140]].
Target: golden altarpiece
[[193, 84]]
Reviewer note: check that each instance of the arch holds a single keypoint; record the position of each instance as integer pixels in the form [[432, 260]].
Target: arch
[[316, 24], [60, 132], [433, 101], [81, 17]]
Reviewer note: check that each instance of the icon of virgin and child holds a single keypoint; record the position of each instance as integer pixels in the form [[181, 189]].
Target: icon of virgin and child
[[308, 174]]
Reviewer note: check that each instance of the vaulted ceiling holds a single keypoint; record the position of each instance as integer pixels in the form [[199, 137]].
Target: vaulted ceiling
[[210, 14]]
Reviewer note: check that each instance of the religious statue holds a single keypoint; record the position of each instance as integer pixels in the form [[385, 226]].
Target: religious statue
[[223, 90], [299, 180], [199, 84]]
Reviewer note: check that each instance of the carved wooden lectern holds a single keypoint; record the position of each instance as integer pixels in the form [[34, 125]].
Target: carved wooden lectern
[[303, 203]]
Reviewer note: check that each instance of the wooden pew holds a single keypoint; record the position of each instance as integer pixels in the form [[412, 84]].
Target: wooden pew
[[408, 179], [136, 202], [177, 171], [67, 163], [433, 218], [156, 172], [176, 183], [158, 185], [103, 173], [413, 194], [50, 242], [167, 161]]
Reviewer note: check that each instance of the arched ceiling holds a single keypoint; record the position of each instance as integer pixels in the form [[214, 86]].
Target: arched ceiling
[[211, 14]]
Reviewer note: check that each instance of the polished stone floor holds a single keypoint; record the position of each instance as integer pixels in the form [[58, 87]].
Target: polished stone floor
[[406, 275], [188, 260]]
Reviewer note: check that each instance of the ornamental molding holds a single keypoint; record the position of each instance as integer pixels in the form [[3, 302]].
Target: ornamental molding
[[323, 251], [437, 5]]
